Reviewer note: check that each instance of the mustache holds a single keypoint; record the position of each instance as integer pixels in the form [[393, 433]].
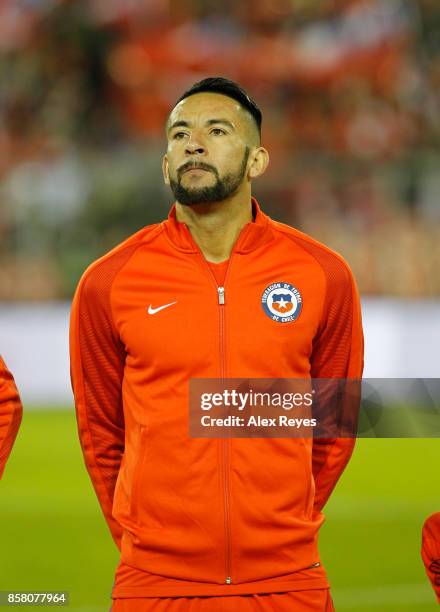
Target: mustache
[[195, 165]]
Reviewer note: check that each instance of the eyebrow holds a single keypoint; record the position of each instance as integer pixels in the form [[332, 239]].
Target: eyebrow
[[182, 123]]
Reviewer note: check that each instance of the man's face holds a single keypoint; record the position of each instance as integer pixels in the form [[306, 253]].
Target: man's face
[[209, 140]]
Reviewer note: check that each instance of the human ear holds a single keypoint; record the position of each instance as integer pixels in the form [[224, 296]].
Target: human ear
[[259, 162], [165, 170]]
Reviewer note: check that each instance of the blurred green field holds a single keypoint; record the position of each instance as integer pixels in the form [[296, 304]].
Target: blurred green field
[[53, 536]]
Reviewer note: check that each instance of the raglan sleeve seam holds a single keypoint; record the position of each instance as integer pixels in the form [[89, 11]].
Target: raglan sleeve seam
[[341, 447], [322, 269], [81, 377], [87, 437], [88, 445]]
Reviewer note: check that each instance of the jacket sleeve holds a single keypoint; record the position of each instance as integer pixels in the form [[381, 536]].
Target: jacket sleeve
[[431, 551], [97, 358], [337, 353], [10, 414]]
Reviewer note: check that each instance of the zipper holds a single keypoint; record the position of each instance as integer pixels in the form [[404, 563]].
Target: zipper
[[224, 442]]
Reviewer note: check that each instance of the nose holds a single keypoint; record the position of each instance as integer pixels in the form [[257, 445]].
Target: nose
[[195, 145]]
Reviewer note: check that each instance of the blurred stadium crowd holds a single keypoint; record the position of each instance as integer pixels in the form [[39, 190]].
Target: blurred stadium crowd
[[350, 93]]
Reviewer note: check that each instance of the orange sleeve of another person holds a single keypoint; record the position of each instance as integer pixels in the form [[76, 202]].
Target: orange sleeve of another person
[[10, 414], [431, 551]]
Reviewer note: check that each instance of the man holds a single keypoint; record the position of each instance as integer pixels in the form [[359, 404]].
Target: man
[[10, 414], [210, 524], [431, 551]]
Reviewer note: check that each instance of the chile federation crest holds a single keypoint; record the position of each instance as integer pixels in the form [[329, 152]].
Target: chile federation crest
[[282, 302]]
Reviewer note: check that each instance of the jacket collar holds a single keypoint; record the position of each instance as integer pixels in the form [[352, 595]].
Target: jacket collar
[[253, 234]]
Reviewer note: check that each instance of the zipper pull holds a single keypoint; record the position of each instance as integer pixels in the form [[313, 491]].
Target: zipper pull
[[221, 295], [228, 580]]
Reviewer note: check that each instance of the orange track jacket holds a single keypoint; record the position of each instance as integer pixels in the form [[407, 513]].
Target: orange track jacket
[[10, 414], [431, 551], [208, 516]]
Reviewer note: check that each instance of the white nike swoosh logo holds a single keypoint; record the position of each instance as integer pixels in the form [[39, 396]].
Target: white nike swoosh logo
[[152, 310]]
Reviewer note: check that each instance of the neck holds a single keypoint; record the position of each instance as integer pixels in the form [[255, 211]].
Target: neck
[[215, 226]]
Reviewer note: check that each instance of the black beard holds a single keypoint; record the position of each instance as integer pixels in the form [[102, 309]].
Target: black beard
[[223, 187]]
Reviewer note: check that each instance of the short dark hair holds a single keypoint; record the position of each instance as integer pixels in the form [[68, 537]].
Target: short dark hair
[[226, 88]]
